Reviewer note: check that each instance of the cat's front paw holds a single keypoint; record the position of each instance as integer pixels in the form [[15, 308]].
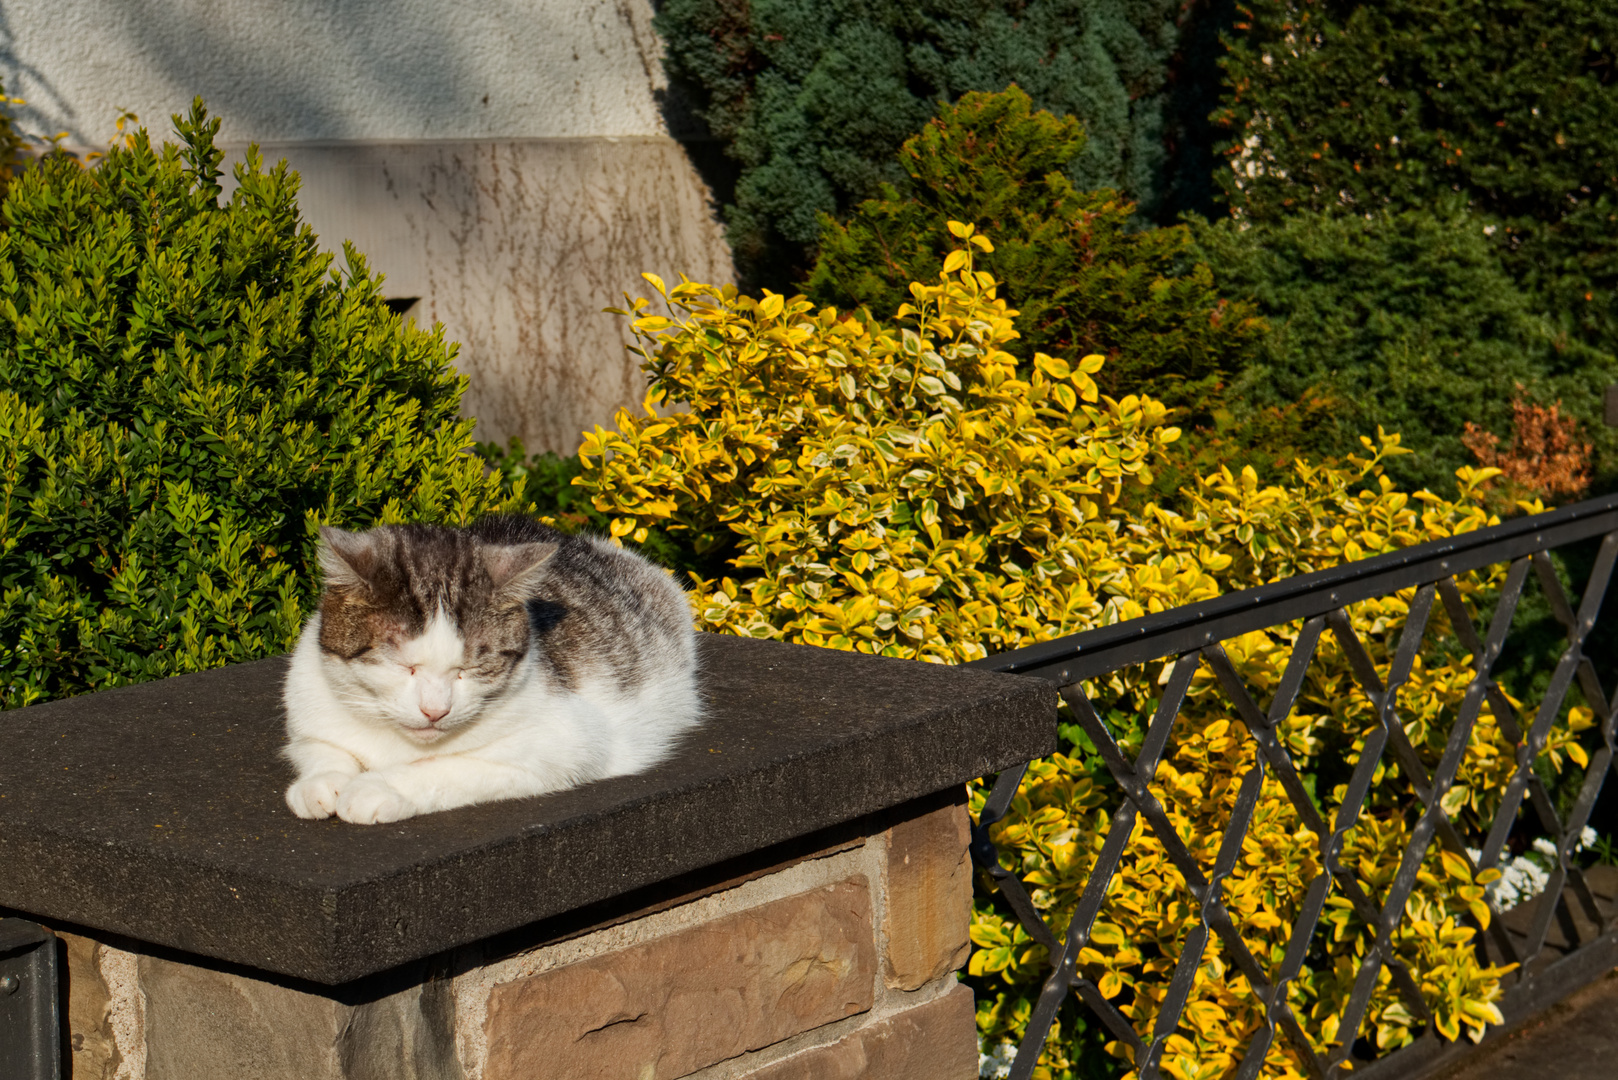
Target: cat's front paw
[[370, 800], [316, 796]]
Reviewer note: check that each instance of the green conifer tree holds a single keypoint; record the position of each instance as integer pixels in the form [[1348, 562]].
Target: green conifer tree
[[1394, 105], [814, 97], [1406, 321], [1083, 278]]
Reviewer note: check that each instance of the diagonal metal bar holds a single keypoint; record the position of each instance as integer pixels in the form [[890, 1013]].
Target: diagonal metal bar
[[1230, 849], [1579, 626], [1572, 663], [1261, 727], [1195, 882], [1000, 796], [1215, 916], [1485, 653], [1388, 730], [1135, 783], [1385, 698], [987, 857], [1523, 777], [1386, 701], [1064, 960]]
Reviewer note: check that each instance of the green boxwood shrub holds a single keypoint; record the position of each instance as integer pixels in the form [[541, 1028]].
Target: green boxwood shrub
[[187, 388]]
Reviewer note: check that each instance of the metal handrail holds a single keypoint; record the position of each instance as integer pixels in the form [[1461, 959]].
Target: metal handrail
[[1081, 656]]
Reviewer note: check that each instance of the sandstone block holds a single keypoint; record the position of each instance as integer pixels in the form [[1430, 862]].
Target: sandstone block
[[936, 1041], [667, 1007], [91, 1040], [201, 1022], [929, 897], [206, 1023]]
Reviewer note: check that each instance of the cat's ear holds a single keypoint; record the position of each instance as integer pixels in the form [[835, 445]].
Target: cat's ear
[[347, 558], [514, 568]]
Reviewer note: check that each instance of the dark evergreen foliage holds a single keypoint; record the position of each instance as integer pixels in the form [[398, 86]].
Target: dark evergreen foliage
[[187, 389], [814, 97], [1396, 104], [1068, 260], [1407, 321]]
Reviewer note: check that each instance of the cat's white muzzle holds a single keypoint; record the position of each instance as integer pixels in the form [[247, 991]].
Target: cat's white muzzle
[[425, 735]]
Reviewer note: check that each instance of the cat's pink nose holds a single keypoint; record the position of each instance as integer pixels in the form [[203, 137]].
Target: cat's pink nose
[[434, 714]]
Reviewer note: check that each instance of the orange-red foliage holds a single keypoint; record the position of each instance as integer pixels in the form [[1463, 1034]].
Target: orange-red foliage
[[1547, 457]]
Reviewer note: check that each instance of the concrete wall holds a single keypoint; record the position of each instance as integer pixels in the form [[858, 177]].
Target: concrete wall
[[509, 163], [338, 69]]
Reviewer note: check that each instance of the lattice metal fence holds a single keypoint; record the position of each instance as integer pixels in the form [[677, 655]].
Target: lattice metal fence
[[1578, 923]]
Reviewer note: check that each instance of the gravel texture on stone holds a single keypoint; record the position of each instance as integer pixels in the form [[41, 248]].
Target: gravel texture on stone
[[156, 810]]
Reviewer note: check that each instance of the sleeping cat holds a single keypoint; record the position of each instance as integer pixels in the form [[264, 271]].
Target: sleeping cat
[[453, 666]]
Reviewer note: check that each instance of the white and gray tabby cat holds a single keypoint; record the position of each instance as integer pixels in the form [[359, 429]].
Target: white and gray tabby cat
[[453, 666]]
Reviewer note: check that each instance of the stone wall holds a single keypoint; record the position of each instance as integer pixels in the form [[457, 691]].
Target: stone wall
[[312, 70], [513, 167], [828, 966], [515, 246]]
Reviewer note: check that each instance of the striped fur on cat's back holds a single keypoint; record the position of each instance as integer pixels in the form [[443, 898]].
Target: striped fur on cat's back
[[453, 666]]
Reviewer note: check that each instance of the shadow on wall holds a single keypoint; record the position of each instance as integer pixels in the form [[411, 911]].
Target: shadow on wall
[[46, 111], [312, 70], [506, 164]]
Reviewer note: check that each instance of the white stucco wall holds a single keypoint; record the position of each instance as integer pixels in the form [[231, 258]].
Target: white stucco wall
[[504, 162], [337, 69]]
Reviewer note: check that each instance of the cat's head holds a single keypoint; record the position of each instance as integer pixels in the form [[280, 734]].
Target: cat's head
[[421, 626]]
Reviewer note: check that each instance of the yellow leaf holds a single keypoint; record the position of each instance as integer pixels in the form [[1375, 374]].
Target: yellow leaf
[[1110, 984], [954, 261], [1105, 933]]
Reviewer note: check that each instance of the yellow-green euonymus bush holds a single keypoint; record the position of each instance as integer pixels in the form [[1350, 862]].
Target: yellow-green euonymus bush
[[896, 487]]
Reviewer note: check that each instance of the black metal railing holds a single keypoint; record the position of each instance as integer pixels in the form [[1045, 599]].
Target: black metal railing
[[1192, 638]]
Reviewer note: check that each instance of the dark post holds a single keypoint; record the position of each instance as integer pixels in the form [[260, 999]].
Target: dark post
[[29, 1027]]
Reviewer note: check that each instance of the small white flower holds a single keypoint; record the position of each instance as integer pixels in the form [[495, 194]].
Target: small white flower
[[996, 1064], [1545, 847], [1587, 838], [1520, 880]]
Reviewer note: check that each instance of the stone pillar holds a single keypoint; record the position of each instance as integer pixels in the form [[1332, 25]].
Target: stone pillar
[[787, 896], [839, 964]]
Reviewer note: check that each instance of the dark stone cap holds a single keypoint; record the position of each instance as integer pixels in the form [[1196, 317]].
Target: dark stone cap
[[156, 811]]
